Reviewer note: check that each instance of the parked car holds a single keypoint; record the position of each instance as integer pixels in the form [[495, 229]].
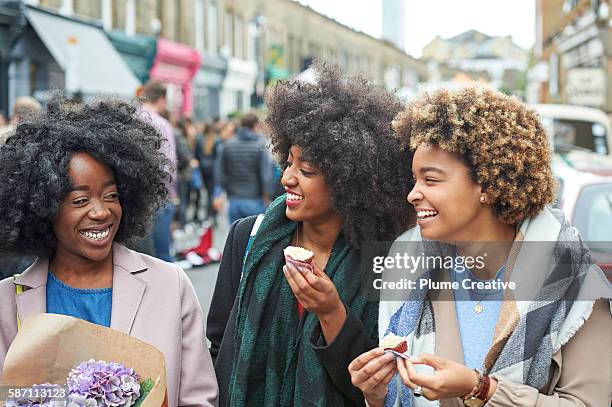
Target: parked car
[[576, 126], [584, 194]]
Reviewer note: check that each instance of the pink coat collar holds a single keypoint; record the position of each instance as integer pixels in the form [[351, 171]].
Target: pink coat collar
[[128, 289]]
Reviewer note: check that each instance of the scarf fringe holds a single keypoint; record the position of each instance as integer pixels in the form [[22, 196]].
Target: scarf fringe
[[577, 323]]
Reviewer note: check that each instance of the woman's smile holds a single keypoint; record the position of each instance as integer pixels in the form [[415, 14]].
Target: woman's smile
[[97, 236], [293, 198], [425, 215]]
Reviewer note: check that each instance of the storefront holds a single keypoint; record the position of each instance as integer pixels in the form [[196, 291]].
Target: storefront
[[238, 86], [138, 52], [584, 62], [11, 27], [59, 52], [208, 85], [176, 64]]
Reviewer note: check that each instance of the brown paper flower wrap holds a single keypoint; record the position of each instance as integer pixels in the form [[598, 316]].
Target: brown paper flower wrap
[[48, 346]]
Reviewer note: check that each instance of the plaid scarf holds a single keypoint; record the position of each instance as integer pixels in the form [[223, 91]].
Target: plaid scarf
[[274, 363], [528, 333]]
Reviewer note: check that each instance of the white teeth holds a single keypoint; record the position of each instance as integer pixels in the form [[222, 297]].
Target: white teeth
[[294, 197], [426, 214], [96, 235]]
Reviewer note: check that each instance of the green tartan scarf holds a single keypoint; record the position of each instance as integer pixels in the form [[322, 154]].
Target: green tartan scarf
[[273, 362]]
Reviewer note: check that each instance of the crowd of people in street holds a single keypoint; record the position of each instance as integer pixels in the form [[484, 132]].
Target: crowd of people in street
[[90, 189], [214, 164]]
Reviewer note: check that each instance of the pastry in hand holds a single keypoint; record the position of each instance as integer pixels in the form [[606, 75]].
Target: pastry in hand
[[394, 343], [299, 257]]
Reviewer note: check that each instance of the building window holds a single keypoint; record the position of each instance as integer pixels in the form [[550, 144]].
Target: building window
[[199, 24], [67, 7], [553, 81], [229, 33], [130, 17], [88, 8], [595, 5], [106, 11], [290, 52], [239, 101], [239, 37], [299, 55], [213, 28]]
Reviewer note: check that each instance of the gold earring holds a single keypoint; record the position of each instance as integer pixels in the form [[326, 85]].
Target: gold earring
[[482, 199]]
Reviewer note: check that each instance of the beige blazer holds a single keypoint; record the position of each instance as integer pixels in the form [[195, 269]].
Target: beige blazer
[[153, 301], [580, 374]]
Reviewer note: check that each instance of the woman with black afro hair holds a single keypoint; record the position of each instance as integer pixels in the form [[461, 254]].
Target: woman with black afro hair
[[293, 331], [78, 183]]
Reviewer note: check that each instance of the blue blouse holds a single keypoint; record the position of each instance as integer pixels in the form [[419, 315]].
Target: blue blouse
[[92, 305], [476, 330]]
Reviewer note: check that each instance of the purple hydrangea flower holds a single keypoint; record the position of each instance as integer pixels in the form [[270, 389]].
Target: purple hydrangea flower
[[78, 400], [108, 384]]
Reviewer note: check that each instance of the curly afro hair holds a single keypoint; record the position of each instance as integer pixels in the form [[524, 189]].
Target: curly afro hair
[[34, 170], [502, 143], [343, 126]]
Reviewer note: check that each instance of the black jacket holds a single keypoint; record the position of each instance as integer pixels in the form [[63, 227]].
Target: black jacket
[[351, 342]]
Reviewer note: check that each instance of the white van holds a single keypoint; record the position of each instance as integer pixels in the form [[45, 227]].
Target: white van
[[575, 126]]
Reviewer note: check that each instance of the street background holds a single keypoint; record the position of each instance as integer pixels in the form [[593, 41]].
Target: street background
[[205, 277], [218, 58]]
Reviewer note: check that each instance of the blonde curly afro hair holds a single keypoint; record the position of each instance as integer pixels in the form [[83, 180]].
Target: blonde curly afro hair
[[501, 141]]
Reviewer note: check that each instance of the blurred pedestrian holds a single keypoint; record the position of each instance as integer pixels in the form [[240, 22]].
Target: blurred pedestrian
[[244, 170], [153, 104], [207, 151], [95, 184], [2, 120], [187, 167], [227, 131], [25, 107]]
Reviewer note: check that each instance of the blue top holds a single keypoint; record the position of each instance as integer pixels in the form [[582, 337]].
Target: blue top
[[92, 305], [476, 330]]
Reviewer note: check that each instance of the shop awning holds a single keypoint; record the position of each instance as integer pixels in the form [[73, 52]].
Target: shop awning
[[85, 54], [138, 51]]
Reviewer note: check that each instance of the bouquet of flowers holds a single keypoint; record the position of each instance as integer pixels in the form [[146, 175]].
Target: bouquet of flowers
[[43, 352], [90, 384]]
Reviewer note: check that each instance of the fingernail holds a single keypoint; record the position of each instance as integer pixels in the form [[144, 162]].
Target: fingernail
[[301, 269]]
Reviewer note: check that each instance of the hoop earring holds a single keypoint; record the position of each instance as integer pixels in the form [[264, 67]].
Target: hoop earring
[[482, 199]]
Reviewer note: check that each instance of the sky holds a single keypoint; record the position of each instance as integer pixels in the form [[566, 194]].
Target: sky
[[446, 18]]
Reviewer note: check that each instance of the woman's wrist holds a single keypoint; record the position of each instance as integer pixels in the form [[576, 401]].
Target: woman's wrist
[[375, 401], [492, 388], [335, 314], [484, 387], [471, 384]]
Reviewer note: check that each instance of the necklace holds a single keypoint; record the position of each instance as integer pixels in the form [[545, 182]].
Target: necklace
[[478, 307], [297, 243]]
